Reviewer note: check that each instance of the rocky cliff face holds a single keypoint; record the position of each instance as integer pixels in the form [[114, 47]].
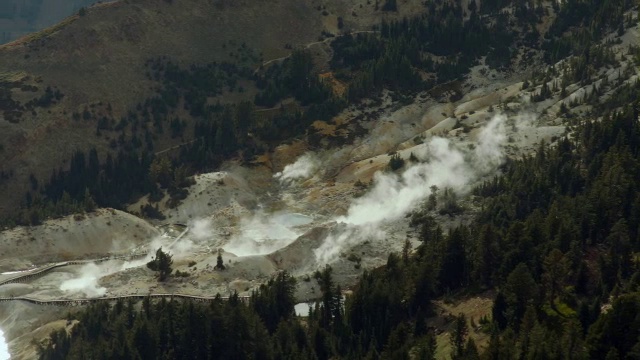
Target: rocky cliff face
[[20, 17]]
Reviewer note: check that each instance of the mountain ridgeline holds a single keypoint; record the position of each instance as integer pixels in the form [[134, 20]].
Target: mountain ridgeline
[[20, 17]]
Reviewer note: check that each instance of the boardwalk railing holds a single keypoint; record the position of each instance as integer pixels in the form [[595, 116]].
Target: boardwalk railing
[[77, 302], [30, 275]]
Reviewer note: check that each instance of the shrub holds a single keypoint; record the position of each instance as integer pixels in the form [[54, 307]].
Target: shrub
[[396, 162]]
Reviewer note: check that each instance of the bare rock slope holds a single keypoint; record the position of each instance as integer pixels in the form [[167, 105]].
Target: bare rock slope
[[97, 234]]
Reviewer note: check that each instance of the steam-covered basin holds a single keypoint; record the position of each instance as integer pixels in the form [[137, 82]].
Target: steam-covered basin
[[266, 233], [4, 348], [292, 219]]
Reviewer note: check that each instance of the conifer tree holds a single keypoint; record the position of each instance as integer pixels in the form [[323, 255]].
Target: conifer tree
[[219, 261], [162, 264], [458, 337]]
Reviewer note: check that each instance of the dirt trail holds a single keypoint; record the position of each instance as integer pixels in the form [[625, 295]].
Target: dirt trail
[[311, 44]]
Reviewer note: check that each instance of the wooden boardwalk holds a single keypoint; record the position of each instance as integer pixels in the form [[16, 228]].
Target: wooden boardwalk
[[28, 275], [85, 301], [32, 274]]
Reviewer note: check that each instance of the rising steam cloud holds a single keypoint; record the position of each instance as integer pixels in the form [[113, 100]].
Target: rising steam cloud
[[87, 283], [393, 196], [265, 233], [302, 168]]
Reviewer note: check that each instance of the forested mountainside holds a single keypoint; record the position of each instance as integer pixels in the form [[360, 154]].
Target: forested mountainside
[[79, 84], [189, 111], [556, 237], [557, 240]]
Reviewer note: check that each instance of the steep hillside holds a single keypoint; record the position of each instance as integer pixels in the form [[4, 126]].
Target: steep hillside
[[97, 64], [20, 17], [103, 232]]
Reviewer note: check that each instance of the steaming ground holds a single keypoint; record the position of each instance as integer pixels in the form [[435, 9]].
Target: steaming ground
[[294, 209], [308, 213], [440, 164], [340, 207]]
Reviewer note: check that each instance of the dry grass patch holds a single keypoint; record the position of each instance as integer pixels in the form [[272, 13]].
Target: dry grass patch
[[323, 128], [339, 88], [473, 308]]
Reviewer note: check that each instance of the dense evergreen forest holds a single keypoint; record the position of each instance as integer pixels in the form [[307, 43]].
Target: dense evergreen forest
[[557, 238]]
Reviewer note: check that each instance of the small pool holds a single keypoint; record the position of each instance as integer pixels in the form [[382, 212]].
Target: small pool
[[292, 219], [265, 233], [302, 309]]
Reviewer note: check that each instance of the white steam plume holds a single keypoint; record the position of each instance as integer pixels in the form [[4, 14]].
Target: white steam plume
[[263, 234], [4, 348], [90, 274], [393, 196], [300, 169], [488, 154], [87, 283], [201, 229]]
